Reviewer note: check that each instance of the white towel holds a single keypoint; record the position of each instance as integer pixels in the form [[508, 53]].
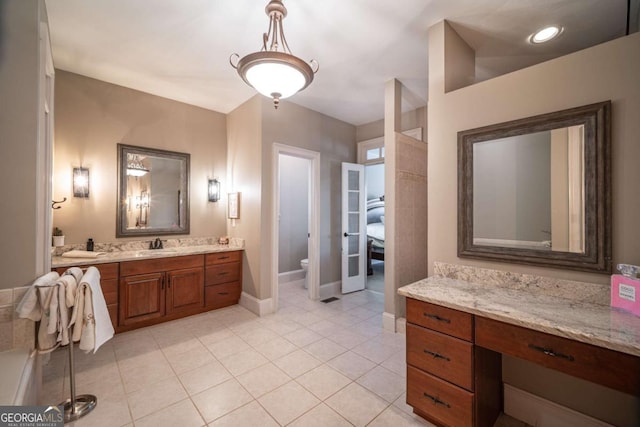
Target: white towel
[[96, 324], [82, 254], [29, 306]]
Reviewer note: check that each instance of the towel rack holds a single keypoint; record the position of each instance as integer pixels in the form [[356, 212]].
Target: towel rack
[[76, 406]]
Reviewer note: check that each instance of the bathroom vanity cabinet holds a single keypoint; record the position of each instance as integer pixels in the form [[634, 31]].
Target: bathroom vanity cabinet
[[144, 292], [450, 381], [160, 288], [223, 279], [458, 331]]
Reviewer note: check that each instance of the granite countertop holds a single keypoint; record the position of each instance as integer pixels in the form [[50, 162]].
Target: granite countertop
[[133, 255], [575, 319]]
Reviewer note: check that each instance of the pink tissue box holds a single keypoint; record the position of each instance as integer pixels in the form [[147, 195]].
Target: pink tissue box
[[625, 293]]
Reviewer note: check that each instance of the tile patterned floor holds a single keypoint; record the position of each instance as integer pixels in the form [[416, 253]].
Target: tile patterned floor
[[310, 364]]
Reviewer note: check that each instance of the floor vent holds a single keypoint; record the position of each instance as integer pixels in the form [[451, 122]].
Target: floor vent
[[329, 300]]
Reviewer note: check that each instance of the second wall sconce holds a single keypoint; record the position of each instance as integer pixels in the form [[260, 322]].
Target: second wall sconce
[[214, 190], [81, 182]]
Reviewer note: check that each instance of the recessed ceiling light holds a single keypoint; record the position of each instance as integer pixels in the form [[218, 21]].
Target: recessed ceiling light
[[545, 34]]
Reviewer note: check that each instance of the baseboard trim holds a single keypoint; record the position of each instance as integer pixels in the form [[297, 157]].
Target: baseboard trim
[[389, 322], [330, 289], [540, 412], [290, 276], [261, 307], [401, 325]]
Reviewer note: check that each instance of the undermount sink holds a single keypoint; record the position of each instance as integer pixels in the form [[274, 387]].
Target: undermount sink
[[156, 251]]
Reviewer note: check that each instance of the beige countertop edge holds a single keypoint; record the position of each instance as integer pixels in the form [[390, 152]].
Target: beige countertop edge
[[628, 343], [119, 256]]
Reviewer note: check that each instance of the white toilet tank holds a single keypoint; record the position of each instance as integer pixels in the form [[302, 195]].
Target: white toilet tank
[[305, 266]]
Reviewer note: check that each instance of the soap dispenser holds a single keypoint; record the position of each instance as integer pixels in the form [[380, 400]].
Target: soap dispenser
[[90, 245]]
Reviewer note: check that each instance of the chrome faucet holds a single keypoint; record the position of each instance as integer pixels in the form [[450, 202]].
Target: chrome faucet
[[155, 244]]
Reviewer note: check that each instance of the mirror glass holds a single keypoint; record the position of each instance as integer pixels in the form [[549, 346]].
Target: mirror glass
[[536, 190], [528, 191], [153, 192]]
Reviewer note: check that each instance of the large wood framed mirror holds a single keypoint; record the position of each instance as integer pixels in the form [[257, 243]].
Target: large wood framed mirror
[[153, 192], [537, 190]]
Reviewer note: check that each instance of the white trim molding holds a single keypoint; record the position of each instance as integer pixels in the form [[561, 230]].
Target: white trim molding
[[290, 276], [389, 322], [261, 307], [540, 412], [330, 289]]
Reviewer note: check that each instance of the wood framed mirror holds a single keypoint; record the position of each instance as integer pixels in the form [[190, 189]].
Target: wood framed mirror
[[537, 190], [153, 192]]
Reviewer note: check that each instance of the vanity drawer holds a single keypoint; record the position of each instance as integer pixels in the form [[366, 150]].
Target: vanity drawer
[[223, 257], [222, 273], [222, 295], [442, 319], [446, 357], [159, 265], [610, 368], [438, 400]]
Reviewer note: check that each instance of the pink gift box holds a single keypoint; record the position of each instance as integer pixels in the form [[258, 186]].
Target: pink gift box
[[625, 293]]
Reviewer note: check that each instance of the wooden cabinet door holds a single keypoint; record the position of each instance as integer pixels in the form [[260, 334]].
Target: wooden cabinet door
[[142, 297], [185, 290]]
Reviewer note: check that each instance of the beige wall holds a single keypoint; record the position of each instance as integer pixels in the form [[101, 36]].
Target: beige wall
[[19, 154], [92, 117], [244, 133], [252, 129], [409, 120], [300, 127], [607, 71]]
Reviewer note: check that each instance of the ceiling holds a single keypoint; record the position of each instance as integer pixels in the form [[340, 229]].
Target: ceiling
[[180, 49]]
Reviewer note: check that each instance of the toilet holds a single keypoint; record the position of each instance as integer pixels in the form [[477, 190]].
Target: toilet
[[305, 266]]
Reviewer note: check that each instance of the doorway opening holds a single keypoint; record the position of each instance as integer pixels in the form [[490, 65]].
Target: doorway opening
[[296, 222], [374, 179]]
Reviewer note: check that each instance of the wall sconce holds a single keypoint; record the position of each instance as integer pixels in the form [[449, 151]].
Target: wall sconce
[[81, 182], [214, 190]]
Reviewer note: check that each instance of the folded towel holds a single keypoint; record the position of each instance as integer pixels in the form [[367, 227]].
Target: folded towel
[[96, 323], [29, 307], [82, 254]]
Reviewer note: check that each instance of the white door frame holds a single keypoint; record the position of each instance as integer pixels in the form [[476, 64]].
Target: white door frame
[[313, 273]]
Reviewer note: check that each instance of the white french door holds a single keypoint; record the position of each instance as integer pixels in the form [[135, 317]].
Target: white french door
[[354, 231]]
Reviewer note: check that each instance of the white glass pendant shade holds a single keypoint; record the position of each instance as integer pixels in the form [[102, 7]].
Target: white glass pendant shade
[[274, 71], [136, 172], [270, 78]]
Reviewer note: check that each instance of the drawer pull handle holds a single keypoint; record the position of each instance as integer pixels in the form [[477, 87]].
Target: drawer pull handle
[[436, 401], [223, 257], [437, 318], [436, 355], [223, 273], [223, 293], [550, 352]]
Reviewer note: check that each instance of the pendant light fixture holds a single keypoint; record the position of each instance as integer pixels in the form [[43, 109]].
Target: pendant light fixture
[[274, 71]]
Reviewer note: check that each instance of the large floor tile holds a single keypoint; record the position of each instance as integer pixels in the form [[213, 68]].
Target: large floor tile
[[288, 402], [357, 404], [227, 347], [375, 351], [384, 383], [276, 348], [204, 377], [351, 364], [155, 397], [297, 363], [325, 349], [244, 361], [110, 412], [189, 360], [323, 381], [263, 379], [183, 414], [393, 416], [251, 414], [218, 401], [321, 416], [303, 337]]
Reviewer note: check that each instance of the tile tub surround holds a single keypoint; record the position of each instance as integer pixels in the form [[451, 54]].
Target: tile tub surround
[[541, 306], [14, 332], [131, 251]]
